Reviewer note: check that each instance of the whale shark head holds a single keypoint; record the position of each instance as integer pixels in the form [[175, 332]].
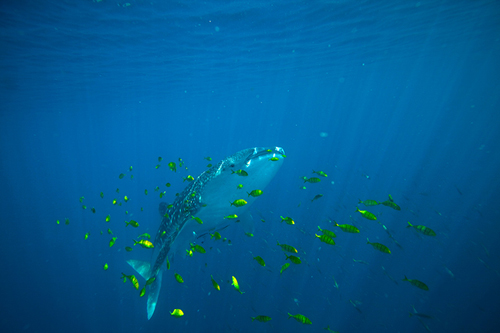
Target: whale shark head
[[217, 187]]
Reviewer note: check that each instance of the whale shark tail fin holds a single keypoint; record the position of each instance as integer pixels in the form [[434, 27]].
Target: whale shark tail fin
[[144, 269]]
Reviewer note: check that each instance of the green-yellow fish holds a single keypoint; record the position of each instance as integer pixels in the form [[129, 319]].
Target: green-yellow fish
[[326, 239], [238, 203], [144, 243], [321, 173], [391, 204], [285, 266], [262, 319], [347, 228], [236, 285], [287, 248], [378, 246], [422, 229], [369, 202], [311, 180], [300, 318], [260, 261], [366, 214], [294, 259], [214, 283], [133, 223], [287, 220], [179, 278], [240, 172], [417, 283], [177, 313], [329, 233], [112, 241], [255, 193]]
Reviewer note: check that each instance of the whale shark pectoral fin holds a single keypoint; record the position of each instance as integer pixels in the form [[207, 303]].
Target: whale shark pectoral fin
[[154, 292], [141, 267]]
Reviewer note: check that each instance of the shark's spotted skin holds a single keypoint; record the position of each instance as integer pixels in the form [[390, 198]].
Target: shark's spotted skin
[[207, 197]]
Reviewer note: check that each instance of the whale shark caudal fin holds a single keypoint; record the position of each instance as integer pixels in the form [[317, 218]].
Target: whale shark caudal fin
[[143, 268]]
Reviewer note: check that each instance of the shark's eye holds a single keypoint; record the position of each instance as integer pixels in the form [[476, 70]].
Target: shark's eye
[[232, 165]]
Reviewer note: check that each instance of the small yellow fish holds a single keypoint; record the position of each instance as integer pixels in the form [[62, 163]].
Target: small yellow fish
[[321, 173], [93, 210], [312, 180], [417, 283], [316, 197], [288, 220], [294, 259], [87, 235], [329, 233], [144, 235], [143, 291], [214, 283], [112, 241], [231, 217], [287, 248], [240, 186], [128, 248], [369, 202], [238, 203], [197, 219], [366, 214], [391, 204], [177, 313], [285, 266], [215, 235], [121, 175], [189, 178], [179, 278], [81, 199], [109, 231], [146, 192], [133, 223], [84, 207], [66, 221], [249, 234], [274, 159], [198, 248], [240, 172], [172, 166], [114, 201], [255, 193], [144, 243], [102, 195], [236, 285], [262, 319], [260, 261], [300, 318], [125, 198], [108, 218], [378, 246], [326, 239], [422, 229], [105, 267], [208, 158], [347, 228]]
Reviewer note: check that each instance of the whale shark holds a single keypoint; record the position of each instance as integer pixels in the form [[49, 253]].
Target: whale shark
[[209, 199]]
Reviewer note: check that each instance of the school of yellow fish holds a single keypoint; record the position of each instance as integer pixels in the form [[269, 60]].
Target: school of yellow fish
[[290, 252]]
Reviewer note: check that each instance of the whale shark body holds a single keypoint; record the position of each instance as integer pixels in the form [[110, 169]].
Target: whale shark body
[[208, 198]]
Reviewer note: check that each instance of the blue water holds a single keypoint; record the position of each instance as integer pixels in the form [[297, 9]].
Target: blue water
[[386, 97]]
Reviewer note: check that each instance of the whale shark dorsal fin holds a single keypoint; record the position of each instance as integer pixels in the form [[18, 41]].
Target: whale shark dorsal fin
[[141, 267]]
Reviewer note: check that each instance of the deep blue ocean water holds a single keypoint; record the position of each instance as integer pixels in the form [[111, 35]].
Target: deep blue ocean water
[[386, 97]]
